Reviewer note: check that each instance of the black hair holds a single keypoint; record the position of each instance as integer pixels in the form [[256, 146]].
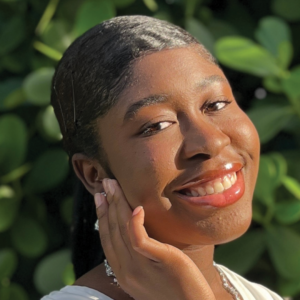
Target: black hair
[[90, 77]]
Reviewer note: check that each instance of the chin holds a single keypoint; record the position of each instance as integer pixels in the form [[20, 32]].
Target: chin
[[237, 223], [225, 225]]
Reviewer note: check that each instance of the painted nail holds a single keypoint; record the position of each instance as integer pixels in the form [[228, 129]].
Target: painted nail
[[98, 200], [104, 183], [111, 187], [137, 210]]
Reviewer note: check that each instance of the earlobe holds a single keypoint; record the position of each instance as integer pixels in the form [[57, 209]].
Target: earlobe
[[89, 171]]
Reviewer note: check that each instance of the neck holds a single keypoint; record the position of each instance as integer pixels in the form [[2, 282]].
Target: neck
[[203, 256]]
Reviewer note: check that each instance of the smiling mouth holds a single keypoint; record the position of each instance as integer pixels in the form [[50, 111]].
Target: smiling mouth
[[219, 192], [216, 186]]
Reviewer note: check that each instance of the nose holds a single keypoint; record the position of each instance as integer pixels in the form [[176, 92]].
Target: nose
[[203, 138]]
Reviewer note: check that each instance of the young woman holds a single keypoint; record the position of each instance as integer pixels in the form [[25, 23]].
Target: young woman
[[149, 118]]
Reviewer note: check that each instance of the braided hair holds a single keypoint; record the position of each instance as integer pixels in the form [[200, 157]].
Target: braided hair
[[88, 80]]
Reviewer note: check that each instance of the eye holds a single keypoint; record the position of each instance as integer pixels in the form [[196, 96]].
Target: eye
[[156, 127], [216, 106]]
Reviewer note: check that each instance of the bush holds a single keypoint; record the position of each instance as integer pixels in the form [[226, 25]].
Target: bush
[[256, 44]]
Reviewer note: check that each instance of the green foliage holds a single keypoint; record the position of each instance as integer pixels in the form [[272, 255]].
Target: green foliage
[[93, 12], [49, 274], [35, 194], [13, 151], [244, 55], [37, 86]]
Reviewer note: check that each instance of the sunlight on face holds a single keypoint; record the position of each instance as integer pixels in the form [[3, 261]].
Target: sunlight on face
[[178, 123]]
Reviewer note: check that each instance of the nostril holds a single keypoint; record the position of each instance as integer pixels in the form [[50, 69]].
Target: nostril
[[201, 156]]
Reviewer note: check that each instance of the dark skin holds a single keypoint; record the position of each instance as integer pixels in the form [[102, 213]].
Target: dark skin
[[201, 128]]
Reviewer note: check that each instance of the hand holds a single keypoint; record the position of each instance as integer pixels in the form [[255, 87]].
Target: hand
[[145, 268]]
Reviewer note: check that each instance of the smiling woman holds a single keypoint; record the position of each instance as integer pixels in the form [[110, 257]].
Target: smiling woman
[[156, 136]]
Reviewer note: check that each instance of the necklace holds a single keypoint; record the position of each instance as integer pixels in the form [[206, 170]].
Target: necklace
[[228, 286]]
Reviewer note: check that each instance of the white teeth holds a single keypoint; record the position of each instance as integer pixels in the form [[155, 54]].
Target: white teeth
[[209, 190], [226, 183], [201, 191], [214, 187], [218, 187], [232, 179], [194, 193]]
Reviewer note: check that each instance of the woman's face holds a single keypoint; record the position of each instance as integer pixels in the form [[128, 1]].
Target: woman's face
[[178, 126]]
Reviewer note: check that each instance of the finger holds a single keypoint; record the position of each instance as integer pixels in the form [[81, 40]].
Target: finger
[[104, 233], [140, 240], [120, 247], [124, 214]]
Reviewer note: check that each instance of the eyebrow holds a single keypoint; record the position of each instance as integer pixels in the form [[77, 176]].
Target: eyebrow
[[157, 99]]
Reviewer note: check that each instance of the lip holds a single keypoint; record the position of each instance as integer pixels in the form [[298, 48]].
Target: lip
[[226, 198], [211, 175]]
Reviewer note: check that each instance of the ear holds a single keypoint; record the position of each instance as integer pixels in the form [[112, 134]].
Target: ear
[[90, 172]]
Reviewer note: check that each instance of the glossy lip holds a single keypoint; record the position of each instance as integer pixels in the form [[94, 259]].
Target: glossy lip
[[211, 175], [223, 199]]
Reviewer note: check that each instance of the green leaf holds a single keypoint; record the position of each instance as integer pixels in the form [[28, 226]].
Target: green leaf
[[200, 32], [8, 263], [48, 125], [6, 88], [292, 185], [37, 86], [280, 165], [242, 54], [287, 212], [69, 275], [272, 84], [50, 169], [13, 150], [9, 206], [271, 33], [269, 176], [57, 35], [28, 237], [291, 84], [123, 3], [232, 255], [16, 174], [270, 120], [151, 5], [93, 12], [13, 292], [285, 54], [48, 276], [12, 34], [288, 9], [284, 248], [14, 99]]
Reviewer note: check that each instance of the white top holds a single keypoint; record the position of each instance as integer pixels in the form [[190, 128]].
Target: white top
[[248, 290]]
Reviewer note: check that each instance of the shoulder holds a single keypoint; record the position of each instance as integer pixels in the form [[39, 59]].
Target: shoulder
[[76, 293], [248, 289]]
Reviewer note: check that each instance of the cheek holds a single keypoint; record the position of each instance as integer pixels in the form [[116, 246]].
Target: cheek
[[244, 135], [144, 169]]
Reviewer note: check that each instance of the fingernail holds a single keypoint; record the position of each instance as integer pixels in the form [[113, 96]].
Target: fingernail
[[98, 199], [111, 187], [137, 210], [104, 183]]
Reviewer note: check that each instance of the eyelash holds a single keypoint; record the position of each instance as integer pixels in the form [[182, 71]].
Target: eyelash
[[147, 131]]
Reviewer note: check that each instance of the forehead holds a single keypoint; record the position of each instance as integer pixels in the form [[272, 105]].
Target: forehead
[[169, 71]]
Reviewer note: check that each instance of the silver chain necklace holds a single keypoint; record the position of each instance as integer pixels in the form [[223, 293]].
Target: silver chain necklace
[[228, 286]]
